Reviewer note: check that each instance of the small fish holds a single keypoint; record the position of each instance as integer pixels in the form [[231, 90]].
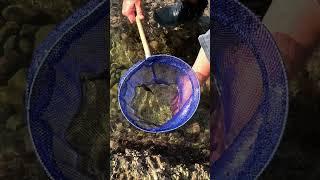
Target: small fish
[[146, 88]]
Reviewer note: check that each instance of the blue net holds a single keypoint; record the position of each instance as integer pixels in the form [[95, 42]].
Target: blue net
[[162, 70], [252, 104], [66, 80]]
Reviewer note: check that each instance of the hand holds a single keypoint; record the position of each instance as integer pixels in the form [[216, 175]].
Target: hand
[[185, 91], [129, 7]]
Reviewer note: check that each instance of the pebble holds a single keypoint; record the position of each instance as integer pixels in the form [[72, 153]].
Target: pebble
[[194, 128], [124, 36], [42, 33], [154, 45], [14, 122], [113, 145]]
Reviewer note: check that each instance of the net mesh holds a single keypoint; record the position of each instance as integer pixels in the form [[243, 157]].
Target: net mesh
[[158, 71], [67, 97], [252, 104]]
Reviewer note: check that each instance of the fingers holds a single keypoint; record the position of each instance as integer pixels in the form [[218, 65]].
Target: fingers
[[131, 18], [139, 9], [129, 9]]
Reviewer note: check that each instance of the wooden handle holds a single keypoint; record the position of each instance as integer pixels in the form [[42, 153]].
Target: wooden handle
[[143, 38]]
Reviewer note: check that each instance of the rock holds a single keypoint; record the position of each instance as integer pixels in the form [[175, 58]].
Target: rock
[[28, 31], [23, 14], [19, 14], [14, 122], [194, 128], [124, 36], [42, 33], [18, 81], [26, 46], [5, 111], [113, 145], [154, 45], [14, 92], [11, 54], [10, 44], [10, 28]]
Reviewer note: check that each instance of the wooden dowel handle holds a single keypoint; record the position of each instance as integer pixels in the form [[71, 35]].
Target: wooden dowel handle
[[143, 38]]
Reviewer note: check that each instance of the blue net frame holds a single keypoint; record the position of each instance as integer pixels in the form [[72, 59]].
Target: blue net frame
[[159, 69]]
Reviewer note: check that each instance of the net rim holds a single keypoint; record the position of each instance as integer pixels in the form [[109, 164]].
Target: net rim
[[132, 70]]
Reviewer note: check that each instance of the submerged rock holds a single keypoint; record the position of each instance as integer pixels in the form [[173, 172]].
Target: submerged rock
[[154, 45]]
